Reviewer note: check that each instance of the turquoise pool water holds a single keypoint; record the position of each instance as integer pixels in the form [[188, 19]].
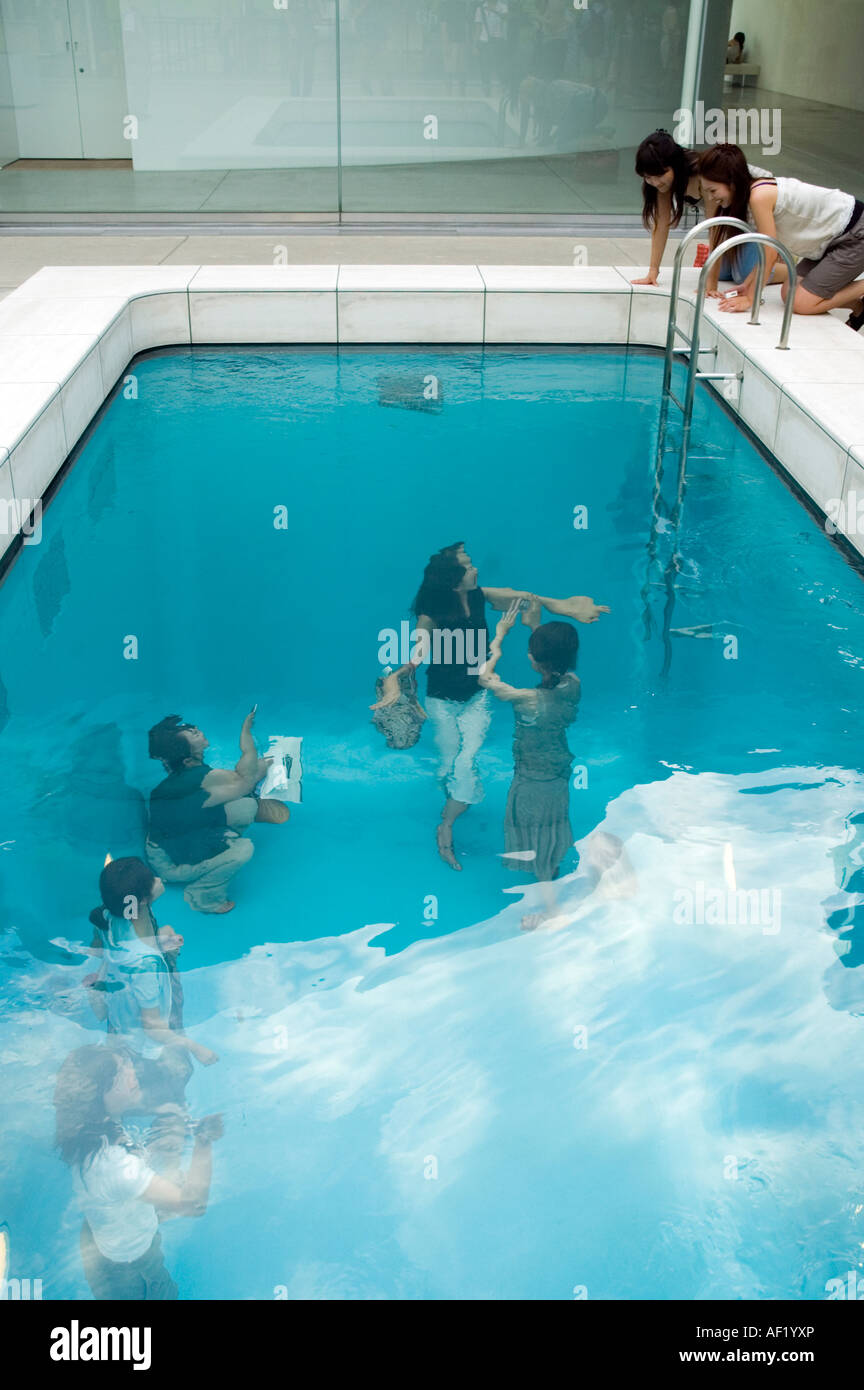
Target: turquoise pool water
[[632, 1105]]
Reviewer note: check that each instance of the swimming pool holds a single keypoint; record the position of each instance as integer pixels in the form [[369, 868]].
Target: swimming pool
[[635, 1105]]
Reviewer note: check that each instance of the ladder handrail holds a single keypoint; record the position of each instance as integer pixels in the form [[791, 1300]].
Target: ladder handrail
[[676, 283], [762, 241]]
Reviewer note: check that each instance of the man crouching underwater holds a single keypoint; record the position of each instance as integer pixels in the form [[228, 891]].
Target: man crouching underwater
[[199, 814]]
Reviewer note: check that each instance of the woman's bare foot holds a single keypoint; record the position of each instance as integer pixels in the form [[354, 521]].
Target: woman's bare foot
[[272, 812], [444, 837]]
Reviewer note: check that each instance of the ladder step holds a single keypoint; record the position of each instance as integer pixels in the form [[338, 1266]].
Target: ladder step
[[689, 342], [718, 376]]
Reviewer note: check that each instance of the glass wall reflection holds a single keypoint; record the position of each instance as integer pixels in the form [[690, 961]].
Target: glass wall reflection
[[379, 107], [520, 106], [208, 106], [247, 91]]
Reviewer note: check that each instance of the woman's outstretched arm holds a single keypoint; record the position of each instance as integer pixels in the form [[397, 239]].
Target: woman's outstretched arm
[[488, 679], [577, 606]]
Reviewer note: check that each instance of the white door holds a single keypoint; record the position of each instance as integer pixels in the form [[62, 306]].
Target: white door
[[97, 50], [39, 45], [68, 78]]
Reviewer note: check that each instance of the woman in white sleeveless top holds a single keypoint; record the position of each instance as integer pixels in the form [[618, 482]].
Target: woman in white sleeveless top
[[823, 227]]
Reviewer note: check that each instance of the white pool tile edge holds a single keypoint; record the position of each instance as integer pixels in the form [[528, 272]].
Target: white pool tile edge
[[813, 392]]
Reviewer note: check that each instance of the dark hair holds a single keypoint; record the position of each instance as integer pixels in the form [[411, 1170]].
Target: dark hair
[[166, 741], [554, 646], [82, 1122], [119, 881], [441, 578], [728, 164], [740, 38], [656, 154]]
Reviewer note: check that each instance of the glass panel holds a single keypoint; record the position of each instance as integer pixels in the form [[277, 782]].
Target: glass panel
[[210, 106], [240, 99], [8, 129], [518, 108], [504, 106]]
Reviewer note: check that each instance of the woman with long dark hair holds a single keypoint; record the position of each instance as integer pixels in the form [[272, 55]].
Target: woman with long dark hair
[[450, 600], [121, 1196], [824, 227], [450, 612], [671, 182]]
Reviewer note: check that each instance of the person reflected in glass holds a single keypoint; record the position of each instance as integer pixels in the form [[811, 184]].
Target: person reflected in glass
[[456, 30], [554, 25], [490, 35], [378, 28], [122, 1196], [672, 35], [735, 48], [299, 26]]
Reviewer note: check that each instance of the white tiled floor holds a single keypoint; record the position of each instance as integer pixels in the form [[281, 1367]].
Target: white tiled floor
[[22, 256]]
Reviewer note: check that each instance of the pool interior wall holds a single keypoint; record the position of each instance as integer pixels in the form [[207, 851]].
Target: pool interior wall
[[359, 1034]]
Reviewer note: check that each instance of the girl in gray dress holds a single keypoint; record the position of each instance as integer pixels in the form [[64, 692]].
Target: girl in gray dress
[[537, 829]]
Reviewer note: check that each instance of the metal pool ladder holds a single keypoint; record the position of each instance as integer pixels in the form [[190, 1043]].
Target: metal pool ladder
[[673, 331], [666, 511]]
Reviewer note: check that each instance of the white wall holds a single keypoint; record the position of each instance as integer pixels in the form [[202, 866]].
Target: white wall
[[806, 49]]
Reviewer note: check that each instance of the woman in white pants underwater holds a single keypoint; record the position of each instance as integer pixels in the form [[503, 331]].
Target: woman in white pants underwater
[[451, 608]]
